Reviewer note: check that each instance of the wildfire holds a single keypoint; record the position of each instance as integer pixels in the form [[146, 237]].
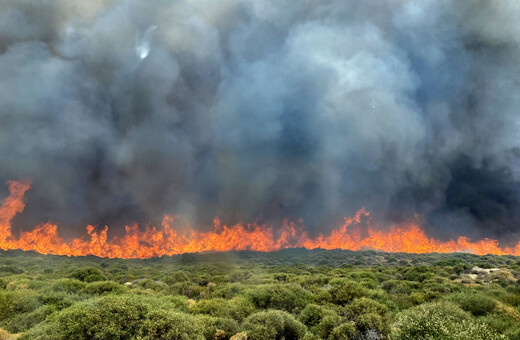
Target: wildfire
[[175, 237]]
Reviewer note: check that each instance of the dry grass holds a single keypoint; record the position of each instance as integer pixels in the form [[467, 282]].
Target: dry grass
[[5, 335]]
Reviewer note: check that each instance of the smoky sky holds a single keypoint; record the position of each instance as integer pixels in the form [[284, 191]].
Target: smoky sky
[[259, 110]]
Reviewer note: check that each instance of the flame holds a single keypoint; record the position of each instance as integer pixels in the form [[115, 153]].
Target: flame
[[177, 237]]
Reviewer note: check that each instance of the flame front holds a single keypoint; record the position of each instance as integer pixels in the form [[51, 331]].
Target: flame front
[[176, 237]]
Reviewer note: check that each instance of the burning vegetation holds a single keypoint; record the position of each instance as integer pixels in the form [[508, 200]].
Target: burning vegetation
[[256, 112], [175, 237]]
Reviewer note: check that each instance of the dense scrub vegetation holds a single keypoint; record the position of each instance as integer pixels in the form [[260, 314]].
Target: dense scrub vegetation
[[291, 294]]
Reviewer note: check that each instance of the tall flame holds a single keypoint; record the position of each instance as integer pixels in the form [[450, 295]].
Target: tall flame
[[176, 237]]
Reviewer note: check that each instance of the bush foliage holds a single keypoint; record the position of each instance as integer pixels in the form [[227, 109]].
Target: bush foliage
[[291, 294]]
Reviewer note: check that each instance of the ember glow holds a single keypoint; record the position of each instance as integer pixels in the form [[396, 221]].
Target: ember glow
[[175, 237]]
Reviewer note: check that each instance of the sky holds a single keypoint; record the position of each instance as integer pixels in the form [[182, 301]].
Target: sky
[[260, 110]]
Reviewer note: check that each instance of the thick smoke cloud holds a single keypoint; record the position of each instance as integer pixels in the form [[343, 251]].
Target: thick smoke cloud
[[123, 110]]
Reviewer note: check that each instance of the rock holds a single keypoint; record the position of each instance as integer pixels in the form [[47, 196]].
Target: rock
[[469, 276], [480, 271]]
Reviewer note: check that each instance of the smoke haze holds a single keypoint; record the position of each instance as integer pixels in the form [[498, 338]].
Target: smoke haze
[[123, 110]]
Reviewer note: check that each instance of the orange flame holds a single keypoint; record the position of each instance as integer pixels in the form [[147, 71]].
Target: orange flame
[[176, 237]]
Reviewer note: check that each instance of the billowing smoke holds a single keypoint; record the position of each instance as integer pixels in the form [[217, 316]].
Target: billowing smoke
[[123, 110]]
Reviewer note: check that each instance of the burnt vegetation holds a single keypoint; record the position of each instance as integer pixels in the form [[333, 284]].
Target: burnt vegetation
[[291, 294]]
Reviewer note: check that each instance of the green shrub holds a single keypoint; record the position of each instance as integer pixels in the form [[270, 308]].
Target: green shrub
[[345, 331], [281, 277], [240, 276], [363, 306], [507, 325], [229, 291], [89, 274], [240, 308], [442, 321], [149, 284], [273, 325], [311, 315], [372, 322], [323, 297], [397, 287], [10, 269], [218, 328], [214, 307], [203, 281], [310, 336], [437, 284], [169, 325], [58, 300], [512, 299], [418, 298], [119, 317], [69, 286], [190, 290], [19, 284], [23, 322], [314, 280], [178, 276], [110, 317], [477, 304], [104, 287], [459, 269], [180, 303], [418, 274], [368, 315], [327, 324], [344, 291], [287, 297], [15, 303], [485, 265], [366, 278], [450, 262]]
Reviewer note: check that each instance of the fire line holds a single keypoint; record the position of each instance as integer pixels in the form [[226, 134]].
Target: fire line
[[175, 237]]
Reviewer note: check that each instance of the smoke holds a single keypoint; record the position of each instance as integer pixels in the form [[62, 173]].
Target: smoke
[[124, 110]]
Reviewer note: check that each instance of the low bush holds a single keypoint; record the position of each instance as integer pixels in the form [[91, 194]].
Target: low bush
[[104, 287], [69, 285], [110, 317], [240, 308], [477, 304], [287, 297], [442, 321], [15, 304], [218, 328], [311, 315], [178, 276], [214, 307], [273, 325], [345, 331], [168, 325], [89, 274], [344, 291]]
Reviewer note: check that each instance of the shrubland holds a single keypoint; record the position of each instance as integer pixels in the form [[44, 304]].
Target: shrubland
[[290, 294]]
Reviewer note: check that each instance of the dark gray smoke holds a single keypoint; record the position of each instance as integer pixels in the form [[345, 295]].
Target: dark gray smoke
[[122, 110]]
